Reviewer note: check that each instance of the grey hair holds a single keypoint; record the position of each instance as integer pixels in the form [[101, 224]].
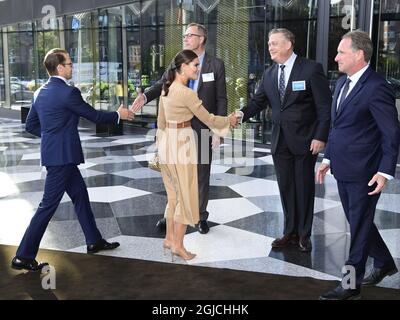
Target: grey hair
[[200, 28], [360, 40], [286, 33]]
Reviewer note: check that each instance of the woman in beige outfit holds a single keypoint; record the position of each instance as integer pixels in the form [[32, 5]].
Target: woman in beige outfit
[[177, 150]]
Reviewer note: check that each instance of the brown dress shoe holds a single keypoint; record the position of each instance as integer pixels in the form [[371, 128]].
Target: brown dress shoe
[[285, 241]]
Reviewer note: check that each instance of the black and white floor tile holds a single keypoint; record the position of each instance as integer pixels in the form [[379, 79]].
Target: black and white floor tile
[[128, 199]]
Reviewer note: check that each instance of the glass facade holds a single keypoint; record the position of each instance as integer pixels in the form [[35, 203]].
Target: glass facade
[[387, 50], [118, 50]]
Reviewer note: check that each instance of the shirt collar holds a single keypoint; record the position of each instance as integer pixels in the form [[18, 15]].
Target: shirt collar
[[62, 78], [201, 58], [290, 62], [355, 77]]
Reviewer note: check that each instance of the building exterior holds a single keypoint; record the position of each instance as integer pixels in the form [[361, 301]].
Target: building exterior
[[120, 46]]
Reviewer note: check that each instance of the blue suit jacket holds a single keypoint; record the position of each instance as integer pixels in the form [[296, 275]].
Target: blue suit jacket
[[365, 133], [54, 116]]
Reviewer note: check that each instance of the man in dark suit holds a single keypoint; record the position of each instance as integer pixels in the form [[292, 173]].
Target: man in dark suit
[[211, 88], [362, 152], [54, 117], [298, 92]]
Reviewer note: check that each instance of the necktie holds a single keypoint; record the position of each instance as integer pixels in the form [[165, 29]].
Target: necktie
[[282, 83], [344, 94]]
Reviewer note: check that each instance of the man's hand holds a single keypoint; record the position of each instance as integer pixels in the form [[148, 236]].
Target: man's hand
[[216, 141], [317, 146], [321, 172], [380, 184], [125, 114], [138, 103]]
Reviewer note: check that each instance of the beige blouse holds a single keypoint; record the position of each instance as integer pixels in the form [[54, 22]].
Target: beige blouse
[[181, 104]]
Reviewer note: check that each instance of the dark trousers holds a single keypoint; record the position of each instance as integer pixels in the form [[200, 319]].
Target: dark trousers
[[204, 152], [295, 175], [58, 180], [365, 241]]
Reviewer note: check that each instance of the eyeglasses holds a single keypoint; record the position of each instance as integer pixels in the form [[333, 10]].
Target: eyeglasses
[[67, 64], [190, 35]]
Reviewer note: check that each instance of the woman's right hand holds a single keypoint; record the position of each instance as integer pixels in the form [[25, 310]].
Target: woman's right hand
[[233, 120]]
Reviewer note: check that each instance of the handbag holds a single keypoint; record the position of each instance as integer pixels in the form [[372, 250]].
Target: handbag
[[154, 163]]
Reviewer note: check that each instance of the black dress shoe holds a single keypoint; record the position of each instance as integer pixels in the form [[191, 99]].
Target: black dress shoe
[[377, 274], [161, 224], [305, 244], [203, 227], [26, 264], [285, 241], [342, 294], [102, 245]]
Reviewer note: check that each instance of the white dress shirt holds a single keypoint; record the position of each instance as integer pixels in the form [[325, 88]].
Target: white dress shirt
[[288, 68]]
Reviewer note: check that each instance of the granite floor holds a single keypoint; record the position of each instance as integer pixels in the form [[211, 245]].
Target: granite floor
[[128, 199]]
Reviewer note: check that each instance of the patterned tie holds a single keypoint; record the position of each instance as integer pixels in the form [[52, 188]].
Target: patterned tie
[[344, 94], [282, 83]]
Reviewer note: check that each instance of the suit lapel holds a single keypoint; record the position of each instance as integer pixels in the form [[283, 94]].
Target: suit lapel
[[273, 75], [354, 92], [338, 87], [204, 69], [294, 75]]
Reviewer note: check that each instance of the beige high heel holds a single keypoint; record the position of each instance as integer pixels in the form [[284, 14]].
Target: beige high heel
[[185, 255], [166, 246]]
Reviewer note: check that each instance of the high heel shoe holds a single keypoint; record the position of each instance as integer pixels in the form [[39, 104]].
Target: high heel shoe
[[185, 255], [166, 246]]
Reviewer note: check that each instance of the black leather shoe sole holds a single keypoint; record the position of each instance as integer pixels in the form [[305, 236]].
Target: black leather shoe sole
[[36, 269], [109, 246], [355, 297]]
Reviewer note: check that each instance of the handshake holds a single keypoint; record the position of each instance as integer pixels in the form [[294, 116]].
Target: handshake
[[125, 113], [235, 118]]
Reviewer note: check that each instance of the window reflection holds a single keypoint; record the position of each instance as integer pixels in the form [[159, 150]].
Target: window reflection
[[388, 44]]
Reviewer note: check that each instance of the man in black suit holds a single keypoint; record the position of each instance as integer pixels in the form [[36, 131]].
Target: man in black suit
[[211, 89], [362, 153], [298, 92]]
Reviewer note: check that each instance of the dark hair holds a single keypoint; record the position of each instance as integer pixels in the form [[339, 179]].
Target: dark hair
[[200, 28], [185, 56], [52, 59], [360, 40]]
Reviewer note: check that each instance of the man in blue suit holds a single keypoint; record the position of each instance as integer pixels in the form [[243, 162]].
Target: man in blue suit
[[54, 117], [362, 152]]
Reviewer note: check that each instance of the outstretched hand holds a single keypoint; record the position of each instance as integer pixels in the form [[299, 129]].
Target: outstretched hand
[[125, 113], [138, 103]]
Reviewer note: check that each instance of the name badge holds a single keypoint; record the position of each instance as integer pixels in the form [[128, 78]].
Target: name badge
[[298, 85], [208, 77]]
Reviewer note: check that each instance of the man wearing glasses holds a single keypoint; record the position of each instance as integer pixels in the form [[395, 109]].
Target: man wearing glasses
[[211, 89]]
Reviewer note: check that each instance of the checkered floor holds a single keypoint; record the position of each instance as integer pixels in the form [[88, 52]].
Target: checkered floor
[[128, 199]]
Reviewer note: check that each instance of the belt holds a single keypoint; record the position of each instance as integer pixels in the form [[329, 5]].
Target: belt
[[179, 125]]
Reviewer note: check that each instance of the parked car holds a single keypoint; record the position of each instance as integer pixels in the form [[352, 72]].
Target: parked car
[[395, 83], [19, 93], [33, 85]]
